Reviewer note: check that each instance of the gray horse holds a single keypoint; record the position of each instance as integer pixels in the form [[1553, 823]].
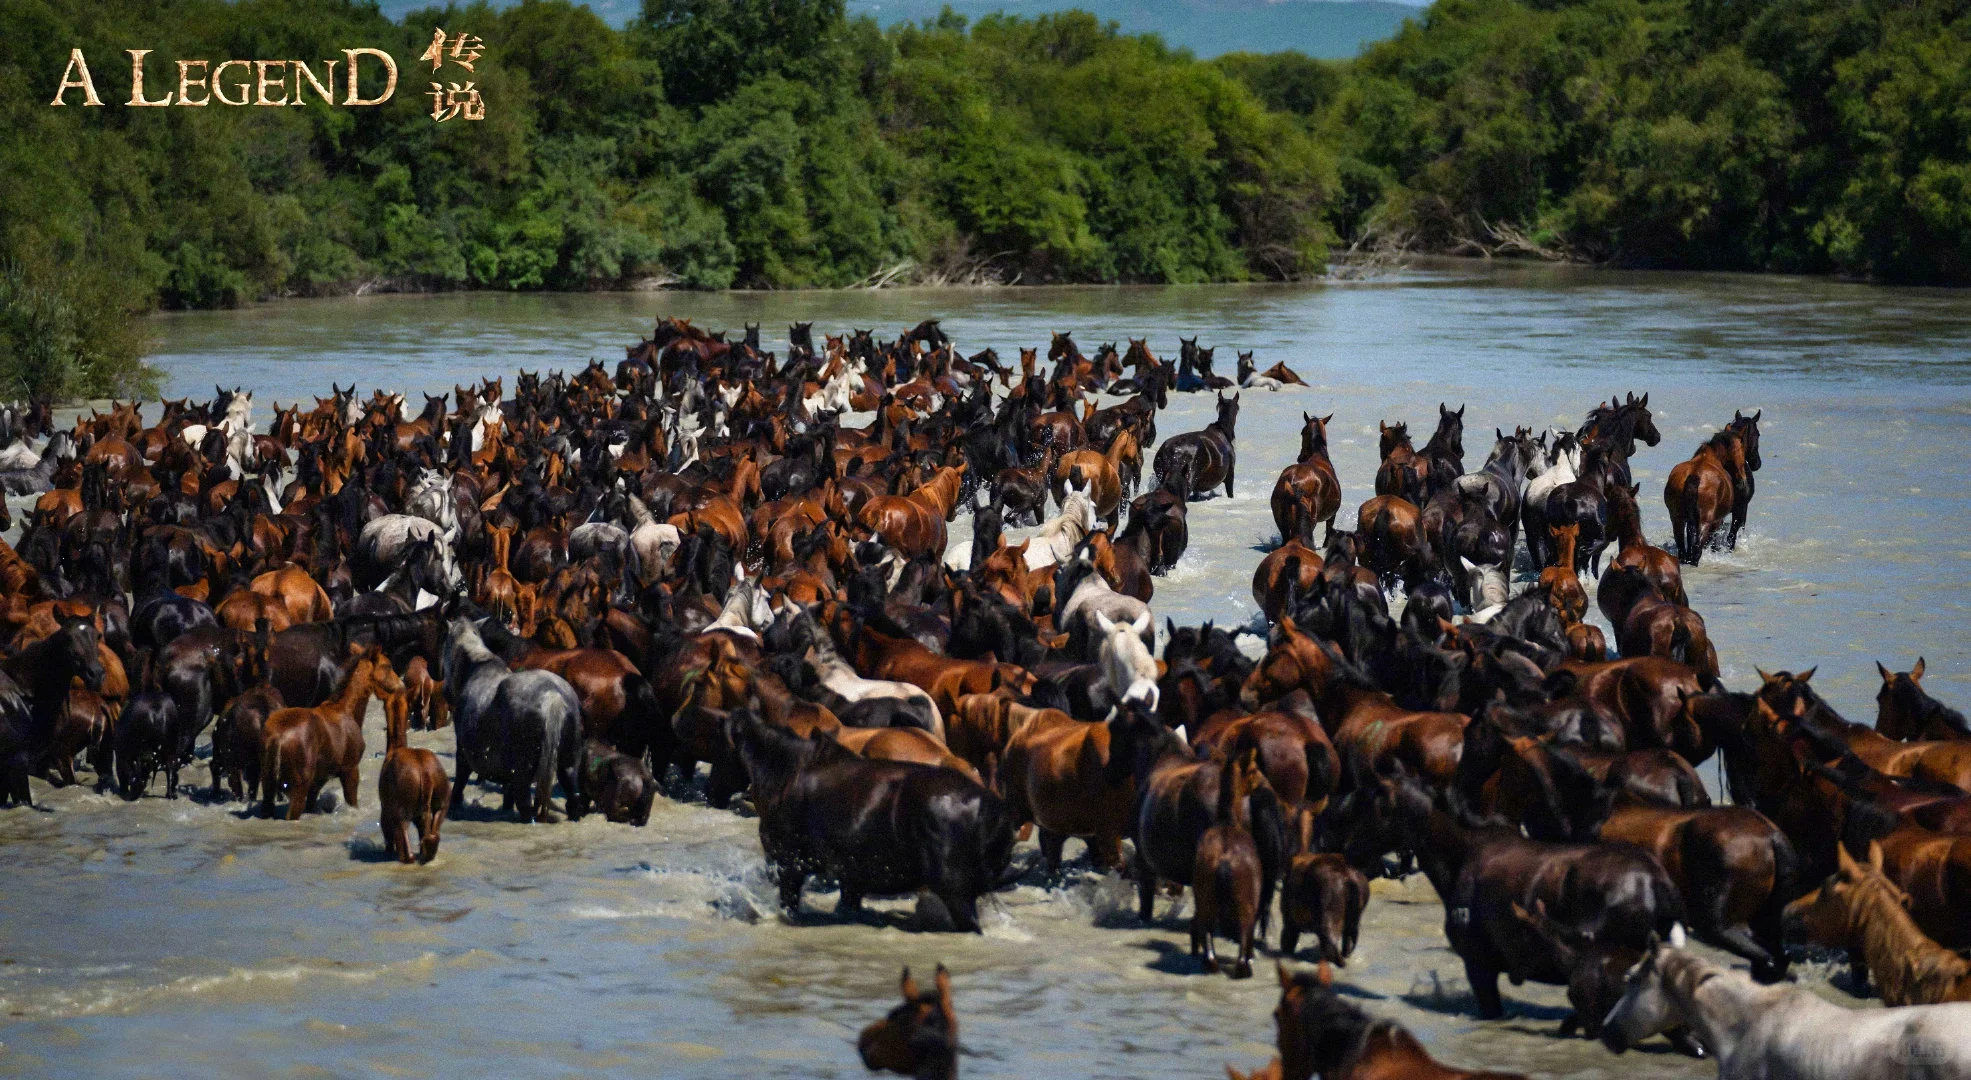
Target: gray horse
[[517, 728], [383, 543]]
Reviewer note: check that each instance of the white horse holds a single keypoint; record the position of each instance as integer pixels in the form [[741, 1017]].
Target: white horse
[[839, 678], [431, 499], [1768, 1032], [1126, 662], [1056, 540], [653, 541], [1089, 595], [746, 609]]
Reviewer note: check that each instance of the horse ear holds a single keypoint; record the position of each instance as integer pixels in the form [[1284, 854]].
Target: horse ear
[[943, 984], [1763, 677], [1844, 863], [1102, 622], [1677, 939], [1327, 418], [1807, 674], [1500, 434], [1143, 622], [1756, 415], [1875, 855], [909, 986], [1916, 673], [1887, 675], [1645, 399]]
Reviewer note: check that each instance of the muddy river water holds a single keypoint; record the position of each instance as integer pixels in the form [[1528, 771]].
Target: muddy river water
[[178, 938]]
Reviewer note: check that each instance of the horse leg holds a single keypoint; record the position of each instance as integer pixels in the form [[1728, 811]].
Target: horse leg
[[850, 905], [1201, 929], [461, 772], [791, 881], [300, 793], [725, 782], [1228, 479], [352, 780], [1051, 844], [1146, 889], [1484, 980], [964, 912], [171, 778], [394, 839], [1248, 917]]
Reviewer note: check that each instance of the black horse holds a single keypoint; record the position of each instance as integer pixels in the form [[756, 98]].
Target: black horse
[[1212, 452], [877, 827]]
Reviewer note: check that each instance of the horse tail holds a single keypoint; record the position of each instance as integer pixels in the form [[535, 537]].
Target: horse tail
[[649, 729], [1786, 874], [1689, 534], [270, 776], [1271, 837], [1227, 912], [1321, 771]]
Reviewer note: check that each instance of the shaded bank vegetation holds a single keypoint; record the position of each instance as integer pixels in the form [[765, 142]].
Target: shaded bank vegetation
[[778, 143]]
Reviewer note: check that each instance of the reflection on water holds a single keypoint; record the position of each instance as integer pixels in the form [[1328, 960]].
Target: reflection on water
[[177, 938]]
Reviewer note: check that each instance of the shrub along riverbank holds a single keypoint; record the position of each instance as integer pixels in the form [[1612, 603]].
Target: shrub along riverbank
[[777, 143]]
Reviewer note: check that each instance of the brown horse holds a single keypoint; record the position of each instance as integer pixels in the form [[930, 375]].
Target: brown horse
[[1633, 551], [1325, 896], [299, 594], [1293, 750], [1074, 778], [1226, 878], [1103, 472], [1390, 531], [1402, 472], [1320, 1032], [1734, 868], [1654, 626], [1307, 492], [914, 524], [1715, 482], [411, 789], [1904, 710], [901, 744], [920, 1037], [1563, 585], [1643, 698], [1272, 582], [1861, 910], [305, 748], [1360, 719]]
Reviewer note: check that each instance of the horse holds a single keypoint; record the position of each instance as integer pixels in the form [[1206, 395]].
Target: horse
[[516, 728], [1563, 457], [1757, 1032], [1178, 802], [1228, 880], [1861, 910], [914, 524], [1715, 481], [1904, 710], [1561, 581], [1125, 660], [876, 827], [383, 543], [1307, 493], [304, 748], [1076, 779], [1325, 896], [1158, 530], [617, 784], [1390, 528], [1320, 1032], [919, 1038], [1633, 551], [1478, 872], [1211, 453], [34, 691], [1057, 540], [411, 789], [1106, 477]]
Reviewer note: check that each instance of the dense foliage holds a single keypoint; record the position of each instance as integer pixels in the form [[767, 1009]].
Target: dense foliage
[[778, 143]]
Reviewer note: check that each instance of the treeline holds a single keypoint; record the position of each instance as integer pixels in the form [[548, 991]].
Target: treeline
[[778, 143]]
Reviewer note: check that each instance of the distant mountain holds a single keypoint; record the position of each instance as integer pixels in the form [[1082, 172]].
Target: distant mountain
[[1330, 29]]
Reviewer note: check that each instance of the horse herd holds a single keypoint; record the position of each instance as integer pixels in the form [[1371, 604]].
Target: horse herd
[[600, 582]]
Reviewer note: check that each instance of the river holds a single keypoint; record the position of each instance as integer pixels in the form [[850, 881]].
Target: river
[[180, 939]]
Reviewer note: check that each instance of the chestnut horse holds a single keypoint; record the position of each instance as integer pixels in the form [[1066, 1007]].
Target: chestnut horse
[[1861, 910], [1714, 482], [1390, 530], [305, 748], [411, 789], [1076, 779], [920, 1037], [1226, 880], [1321, 1032], [1904, 710], [1307, 492], [914, 524]]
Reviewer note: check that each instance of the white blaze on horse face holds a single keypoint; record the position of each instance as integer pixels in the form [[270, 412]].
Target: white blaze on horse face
[[1677, 939]]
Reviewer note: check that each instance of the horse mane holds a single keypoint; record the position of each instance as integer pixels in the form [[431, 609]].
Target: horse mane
[[1908, 967]]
